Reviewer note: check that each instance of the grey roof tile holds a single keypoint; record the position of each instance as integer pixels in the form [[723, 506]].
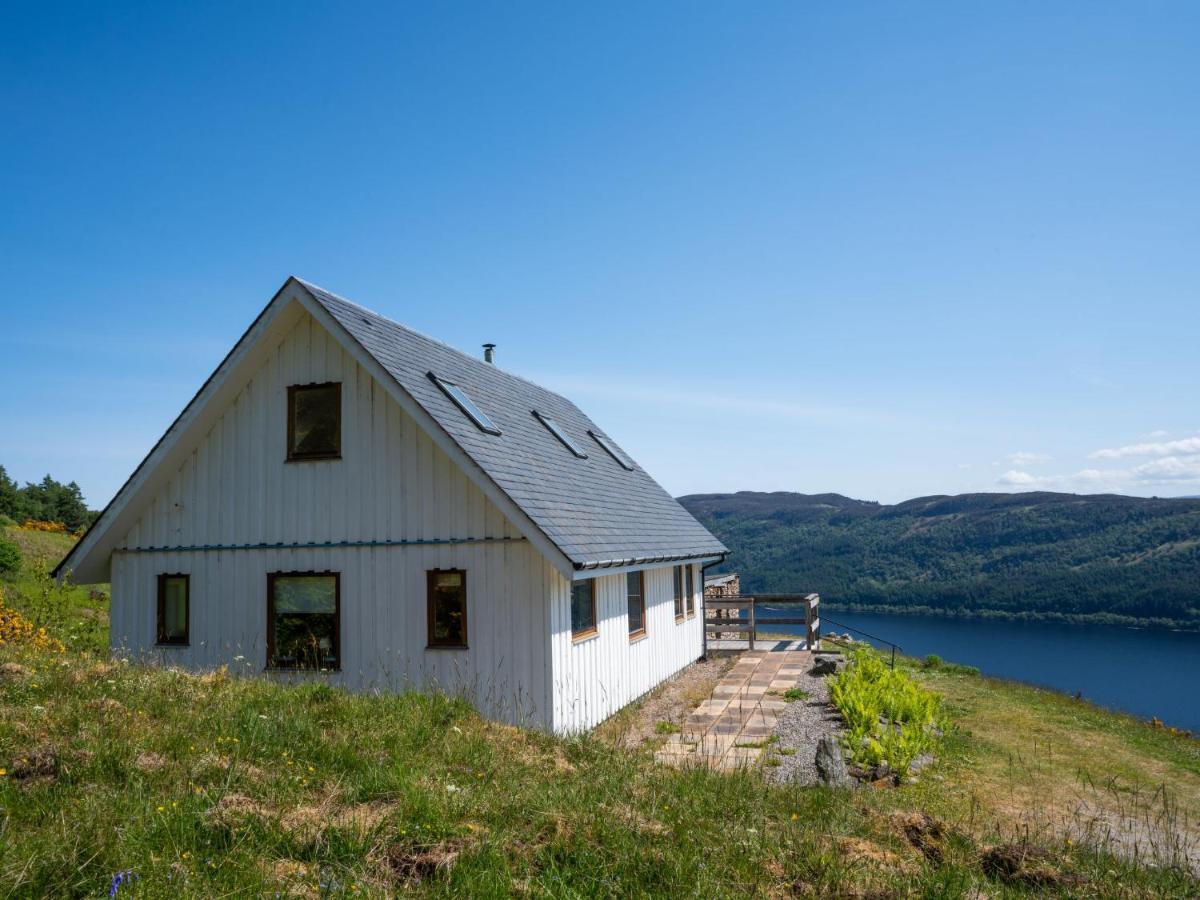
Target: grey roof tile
[[593, 510]]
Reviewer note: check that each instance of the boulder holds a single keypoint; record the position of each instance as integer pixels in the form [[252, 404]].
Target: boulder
[[831, 767], [824, 665]]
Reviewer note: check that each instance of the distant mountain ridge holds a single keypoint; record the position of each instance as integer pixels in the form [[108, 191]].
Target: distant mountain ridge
[[1100, 557]]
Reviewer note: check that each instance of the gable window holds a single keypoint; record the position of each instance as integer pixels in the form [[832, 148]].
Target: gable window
[[678, 572], [611, 449], [314, 421], [635, 589], [555, 429], [172, 609], [303, 620], [447, 602], [691, 591], [583, 608], [466, 404]]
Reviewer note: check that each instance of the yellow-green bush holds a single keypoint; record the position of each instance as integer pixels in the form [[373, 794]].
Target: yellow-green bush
[[889, 717]]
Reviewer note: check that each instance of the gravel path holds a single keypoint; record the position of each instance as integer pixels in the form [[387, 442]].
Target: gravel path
[[799, 727]]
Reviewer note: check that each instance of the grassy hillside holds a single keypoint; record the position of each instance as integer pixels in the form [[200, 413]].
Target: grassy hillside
[[209, 786], [76, 615], [1103, 557], [157, 783]]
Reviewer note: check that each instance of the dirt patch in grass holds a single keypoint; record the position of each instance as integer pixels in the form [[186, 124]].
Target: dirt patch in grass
[[10, 672], [37, 765], [1025, 865], [150, 762], [925, 833], [669, 703], [410, 864]]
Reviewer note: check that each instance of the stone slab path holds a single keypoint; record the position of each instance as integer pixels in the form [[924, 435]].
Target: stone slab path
[[730, 728]]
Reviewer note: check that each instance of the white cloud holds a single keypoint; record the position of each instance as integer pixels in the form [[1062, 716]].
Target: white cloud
[[1025, 458], [1160, 448], [1171, 468]]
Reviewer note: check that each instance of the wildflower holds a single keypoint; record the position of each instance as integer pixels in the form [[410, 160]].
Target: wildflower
[[119, 879], [3, 772], [795, 817], [162, 809]]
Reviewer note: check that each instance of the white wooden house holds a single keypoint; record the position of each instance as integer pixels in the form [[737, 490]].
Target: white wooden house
[[345, 498]]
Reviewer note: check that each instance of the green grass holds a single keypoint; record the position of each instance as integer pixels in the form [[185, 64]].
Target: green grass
[[209, 786], [78, 616], [206, 785]]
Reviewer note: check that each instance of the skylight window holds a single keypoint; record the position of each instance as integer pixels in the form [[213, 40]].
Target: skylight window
[[556, 430], [466, 404], [612, 450]]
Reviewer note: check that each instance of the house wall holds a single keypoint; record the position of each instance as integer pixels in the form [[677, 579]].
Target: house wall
[[391, 484], [595, 677]]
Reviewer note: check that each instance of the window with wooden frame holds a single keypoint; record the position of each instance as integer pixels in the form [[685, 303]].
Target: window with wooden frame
[[583, 609], [314, 421], [173, 609], [635, 589], [304, 611], [447, 608], [691, 590], [678, 573]]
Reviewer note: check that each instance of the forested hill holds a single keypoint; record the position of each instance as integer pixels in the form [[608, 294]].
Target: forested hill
[[1046, 555]]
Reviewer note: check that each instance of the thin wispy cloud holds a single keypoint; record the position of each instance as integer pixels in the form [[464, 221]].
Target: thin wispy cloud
[[1025, 458]]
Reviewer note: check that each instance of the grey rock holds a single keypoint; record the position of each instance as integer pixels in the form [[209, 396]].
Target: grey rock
[[831, 767], [824, 665]]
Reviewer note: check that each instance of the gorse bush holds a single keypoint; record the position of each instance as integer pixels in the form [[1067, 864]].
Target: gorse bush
[[10, 558], [16, 629], [889, 717]]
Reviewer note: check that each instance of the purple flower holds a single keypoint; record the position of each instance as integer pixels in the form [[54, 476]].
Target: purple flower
[[119, 879]]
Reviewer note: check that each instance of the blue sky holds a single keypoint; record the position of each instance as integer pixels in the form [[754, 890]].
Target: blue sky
[[880, 249]]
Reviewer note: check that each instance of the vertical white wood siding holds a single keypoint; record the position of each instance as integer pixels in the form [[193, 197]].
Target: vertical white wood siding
[[595, 677], [392, 483]]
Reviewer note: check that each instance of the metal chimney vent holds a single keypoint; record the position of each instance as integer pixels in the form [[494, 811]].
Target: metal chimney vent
[[489, 352]]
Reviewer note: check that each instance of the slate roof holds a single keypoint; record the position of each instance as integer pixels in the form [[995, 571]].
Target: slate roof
[[596, 512]]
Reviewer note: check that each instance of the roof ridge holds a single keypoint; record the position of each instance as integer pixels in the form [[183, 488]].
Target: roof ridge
[[433, 340]]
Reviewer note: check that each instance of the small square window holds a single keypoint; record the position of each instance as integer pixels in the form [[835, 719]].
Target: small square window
[[314, 421], [635, 587], [172, 609], [303, 620], [583, 608], [447, 603]]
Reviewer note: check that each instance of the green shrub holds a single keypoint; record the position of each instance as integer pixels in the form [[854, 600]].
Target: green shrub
[[889, 717], [10, 558], [934, 663]]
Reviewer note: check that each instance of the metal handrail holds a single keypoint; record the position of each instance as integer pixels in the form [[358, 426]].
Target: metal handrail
[[873, 637]]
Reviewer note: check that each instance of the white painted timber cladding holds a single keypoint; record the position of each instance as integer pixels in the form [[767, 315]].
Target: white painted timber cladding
[[595, 677], [392, 483]]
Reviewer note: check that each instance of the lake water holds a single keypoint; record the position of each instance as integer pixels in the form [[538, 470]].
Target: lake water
[[1144, 672]]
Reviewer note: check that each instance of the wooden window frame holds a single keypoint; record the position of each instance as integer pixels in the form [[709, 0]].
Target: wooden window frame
[[677, 588], [272, 665], [430, 643], [592, 630], [292, 456], [690, 596], [184, 641], [641, 632]]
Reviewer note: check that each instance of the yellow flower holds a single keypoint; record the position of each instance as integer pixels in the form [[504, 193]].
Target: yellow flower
[[3, 772], [162, 809]]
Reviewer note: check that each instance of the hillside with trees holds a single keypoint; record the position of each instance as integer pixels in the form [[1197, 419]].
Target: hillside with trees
[[46, 501], [1036, 555]]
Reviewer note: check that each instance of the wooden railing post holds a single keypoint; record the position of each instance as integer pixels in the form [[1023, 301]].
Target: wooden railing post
[[752, 624], [812, 624]]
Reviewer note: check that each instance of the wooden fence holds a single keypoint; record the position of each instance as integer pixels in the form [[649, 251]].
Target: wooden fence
[[738, 615]]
